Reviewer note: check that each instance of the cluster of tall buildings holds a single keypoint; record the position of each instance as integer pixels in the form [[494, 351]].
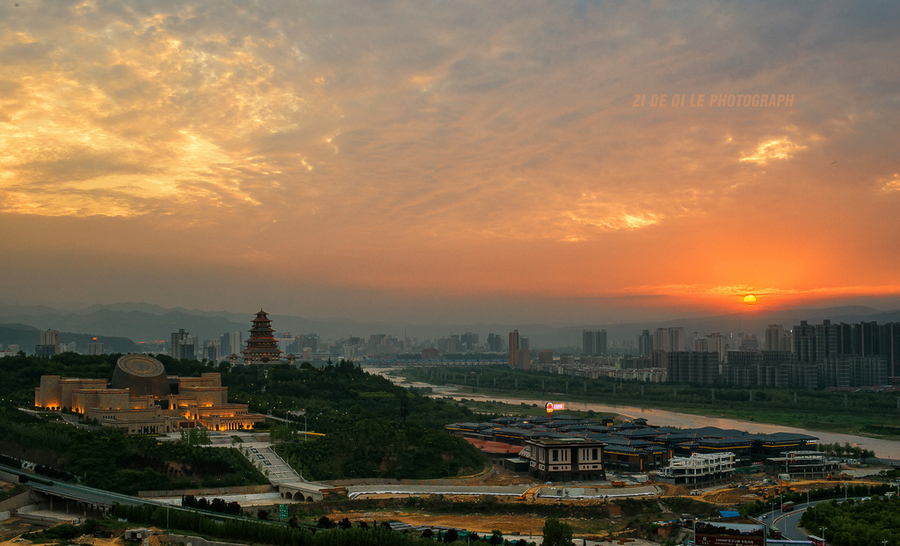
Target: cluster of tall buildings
[[674, 339], [50, 345], [825, 355], [808, 356], [183, 345], [261, 346], [309, 347]]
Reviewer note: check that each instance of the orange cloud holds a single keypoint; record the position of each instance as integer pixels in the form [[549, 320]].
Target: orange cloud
[[489, 149]]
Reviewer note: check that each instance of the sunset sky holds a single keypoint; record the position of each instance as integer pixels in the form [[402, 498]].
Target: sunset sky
[[450, 161]]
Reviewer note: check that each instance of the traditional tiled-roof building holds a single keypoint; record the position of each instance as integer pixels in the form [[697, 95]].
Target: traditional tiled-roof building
[[262, 347]]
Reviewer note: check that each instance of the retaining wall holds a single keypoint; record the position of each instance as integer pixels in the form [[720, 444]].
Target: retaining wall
[[210, 492], [20, 500], [461, 481], [195, 541]]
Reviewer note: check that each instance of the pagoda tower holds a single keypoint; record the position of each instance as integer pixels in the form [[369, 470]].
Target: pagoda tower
[[262, 347]]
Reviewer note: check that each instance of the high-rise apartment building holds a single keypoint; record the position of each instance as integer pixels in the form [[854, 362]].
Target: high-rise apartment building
[[669, 339], [182, 345], [212, 350], [231, 343], [692, 367], [469, 341], [50, 337], [662, 341], [892, 347], [701, 345], [715, 343], [523, 359], [95, 347], [513, 349], [593, 342], [645, 343], [495, 343], [49, 345], [804, 342], [776, 338], [826, 340]]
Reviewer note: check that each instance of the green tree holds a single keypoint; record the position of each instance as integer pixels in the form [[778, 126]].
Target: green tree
[[557, 533]]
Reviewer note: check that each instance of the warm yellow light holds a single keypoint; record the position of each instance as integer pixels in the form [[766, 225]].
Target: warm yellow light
[[749, 299]]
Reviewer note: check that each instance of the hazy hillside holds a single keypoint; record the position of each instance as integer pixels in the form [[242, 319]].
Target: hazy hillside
[[26, 337]]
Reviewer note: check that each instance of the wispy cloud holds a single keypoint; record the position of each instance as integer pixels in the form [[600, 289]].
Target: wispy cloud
[[439, 145]]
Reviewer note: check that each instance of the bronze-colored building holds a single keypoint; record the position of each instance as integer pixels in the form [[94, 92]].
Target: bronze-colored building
[[142, 399]]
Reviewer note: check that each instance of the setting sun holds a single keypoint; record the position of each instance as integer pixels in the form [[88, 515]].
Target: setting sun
[[750, 299]]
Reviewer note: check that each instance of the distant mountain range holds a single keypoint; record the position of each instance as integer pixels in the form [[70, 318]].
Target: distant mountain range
[[123, 324]]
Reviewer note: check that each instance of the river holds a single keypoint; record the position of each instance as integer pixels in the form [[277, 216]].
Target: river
[[885, 449]]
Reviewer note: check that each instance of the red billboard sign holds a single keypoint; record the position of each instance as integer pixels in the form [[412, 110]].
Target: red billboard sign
[[554, 406]]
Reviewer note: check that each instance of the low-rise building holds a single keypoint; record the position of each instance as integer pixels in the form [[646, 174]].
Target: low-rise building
[[805, 464], [564, 459], [698, 469]]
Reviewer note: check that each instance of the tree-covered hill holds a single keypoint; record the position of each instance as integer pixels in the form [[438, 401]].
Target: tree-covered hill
[[852, 523], [371, 427], [107, 459]]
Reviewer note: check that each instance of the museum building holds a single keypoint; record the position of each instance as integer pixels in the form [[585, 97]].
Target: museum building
[[142, 399]]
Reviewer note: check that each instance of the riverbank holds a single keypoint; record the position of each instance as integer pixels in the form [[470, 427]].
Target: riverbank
[[883, 448]]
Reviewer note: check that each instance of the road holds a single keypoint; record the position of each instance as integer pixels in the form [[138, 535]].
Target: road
[[788, 523]]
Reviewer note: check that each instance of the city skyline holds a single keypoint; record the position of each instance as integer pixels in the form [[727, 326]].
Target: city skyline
[[462, 162]]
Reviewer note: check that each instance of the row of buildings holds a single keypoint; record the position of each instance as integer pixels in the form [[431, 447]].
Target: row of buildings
[[826, 355], [50, 345], [562, 448]]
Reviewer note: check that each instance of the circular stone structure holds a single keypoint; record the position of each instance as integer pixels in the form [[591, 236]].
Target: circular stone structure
[[142, 375]]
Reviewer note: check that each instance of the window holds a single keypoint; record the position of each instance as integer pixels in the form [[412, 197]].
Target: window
[[594, 454], [554, 453]]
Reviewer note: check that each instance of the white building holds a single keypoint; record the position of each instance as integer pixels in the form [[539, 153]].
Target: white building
[[698, 469]]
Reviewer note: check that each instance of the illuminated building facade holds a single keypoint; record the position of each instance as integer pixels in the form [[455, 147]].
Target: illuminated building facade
[[142, 399]]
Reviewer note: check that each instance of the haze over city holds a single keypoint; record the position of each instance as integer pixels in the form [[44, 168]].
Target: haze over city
[[460, 161]]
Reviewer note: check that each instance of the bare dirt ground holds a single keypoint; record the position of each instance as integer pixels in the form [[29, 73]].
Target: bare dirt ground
[[10, 530], [501, 476], [733, 496], [524, 524], [588, 528], [13, 527]]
